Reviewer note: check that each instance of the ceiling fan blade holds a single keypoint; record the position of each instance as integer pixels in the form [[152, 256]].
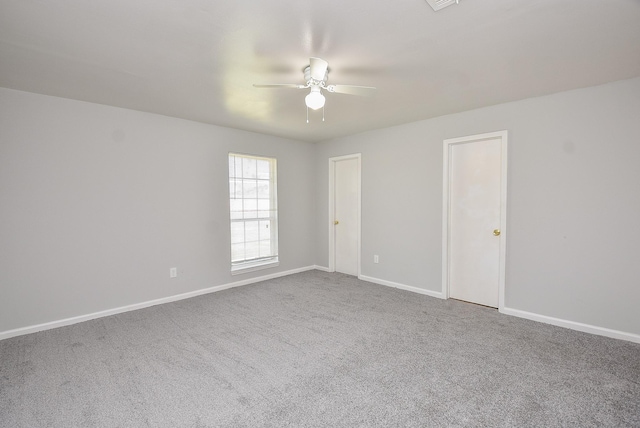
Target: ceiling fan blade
[[352, 90], [281, 85], [318, 68]]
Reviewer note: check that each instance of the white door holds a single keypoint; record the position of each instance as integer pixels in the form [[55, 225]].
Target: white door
[[476, 218], [346, 216]]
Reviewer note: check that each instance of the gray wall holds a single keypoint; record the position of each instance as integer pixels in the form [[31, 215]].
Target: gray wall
[[97, 203], [573, 202]]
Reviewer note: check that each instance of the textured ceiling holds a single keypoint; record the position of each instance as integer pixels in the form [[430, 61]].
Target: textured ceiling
[[198, 59]]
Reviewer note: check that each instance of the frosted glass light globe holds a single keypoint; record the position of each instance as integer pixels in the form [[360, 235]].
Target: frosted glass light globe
[[315, 99]]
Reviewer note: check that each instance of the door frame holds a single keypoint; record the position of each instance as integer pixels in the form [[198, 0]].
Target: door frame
[[446, 219], [331, 226]]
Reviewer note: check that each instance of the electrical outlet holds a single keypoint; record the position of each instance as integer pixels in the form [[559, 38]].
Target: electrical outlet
[[376, 259], [173, 272]]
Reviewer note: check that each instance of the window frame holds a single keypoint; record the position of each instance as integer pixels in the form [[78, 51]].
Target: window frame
[[261, 262]]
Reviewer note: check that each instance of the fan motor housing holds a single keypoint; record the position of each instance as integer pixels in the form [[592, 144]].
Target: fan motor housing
[[308, 78]]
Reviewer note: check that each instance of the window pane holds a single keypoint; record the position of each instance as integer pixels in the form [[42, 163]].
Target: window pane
[[265, 231], [250, 204], [235, 188], [249, 188], [249, 168], [250, 208], [235, 205], [264, 167], [252, 250], [263, 189], [238, 166], [263, 208], [251, 231], [237, 252], [237, 232], [232, 166], [265, 248]]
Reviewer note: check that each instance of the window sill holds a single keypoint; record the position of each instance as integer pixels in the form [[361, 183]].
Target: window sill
[[252, 267]]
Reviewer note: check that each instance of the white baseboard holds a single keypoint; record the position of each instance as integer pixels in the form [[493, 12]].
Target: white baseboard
[[74, 320], [586, 328], [431, 293]]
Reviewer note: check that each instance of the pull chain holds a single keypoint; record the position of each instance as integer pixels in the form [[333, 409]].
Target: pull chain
[[308, 114]]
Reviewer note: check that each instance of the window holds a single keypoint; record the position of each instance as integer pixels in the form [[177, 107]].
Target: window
[[253, 211]]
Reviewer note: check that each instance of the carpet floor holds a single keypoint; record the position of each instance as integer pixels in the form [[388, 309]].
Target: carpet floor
[[317, 349]]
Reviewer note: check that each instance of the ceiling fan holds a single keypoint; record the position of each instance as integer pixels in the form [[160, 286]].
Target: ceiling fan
[[315, 76]]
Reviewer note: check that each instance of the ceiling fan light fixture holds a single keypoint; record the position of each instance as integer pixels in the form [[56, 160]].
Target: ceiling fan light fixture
[[315, 99], [315, 77]]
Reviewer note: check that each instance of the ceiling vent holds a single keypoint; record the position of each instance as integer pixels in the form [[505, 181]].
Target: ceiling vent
[[440, 4]]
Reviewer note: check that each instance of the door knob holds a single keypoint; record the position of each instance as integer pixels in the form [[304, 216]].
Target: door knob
[[336, 222], [496, 232]]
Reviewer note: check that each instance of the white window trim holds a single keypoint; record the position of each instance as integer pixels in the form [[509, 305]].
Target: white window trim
[[266, 262], [254, 266]]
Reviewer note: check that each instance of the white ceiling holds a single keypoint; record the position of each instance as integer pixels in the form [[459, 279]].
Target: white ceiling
[[198, 59]]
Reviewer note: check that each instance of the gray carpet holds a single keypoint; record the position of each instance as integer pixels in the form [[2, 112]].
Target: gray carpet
[[317, 350]]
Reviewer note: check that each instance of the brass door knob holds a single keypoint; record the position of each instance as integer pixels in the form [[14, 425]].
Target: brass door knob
[[496, 232], [336, 222]]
